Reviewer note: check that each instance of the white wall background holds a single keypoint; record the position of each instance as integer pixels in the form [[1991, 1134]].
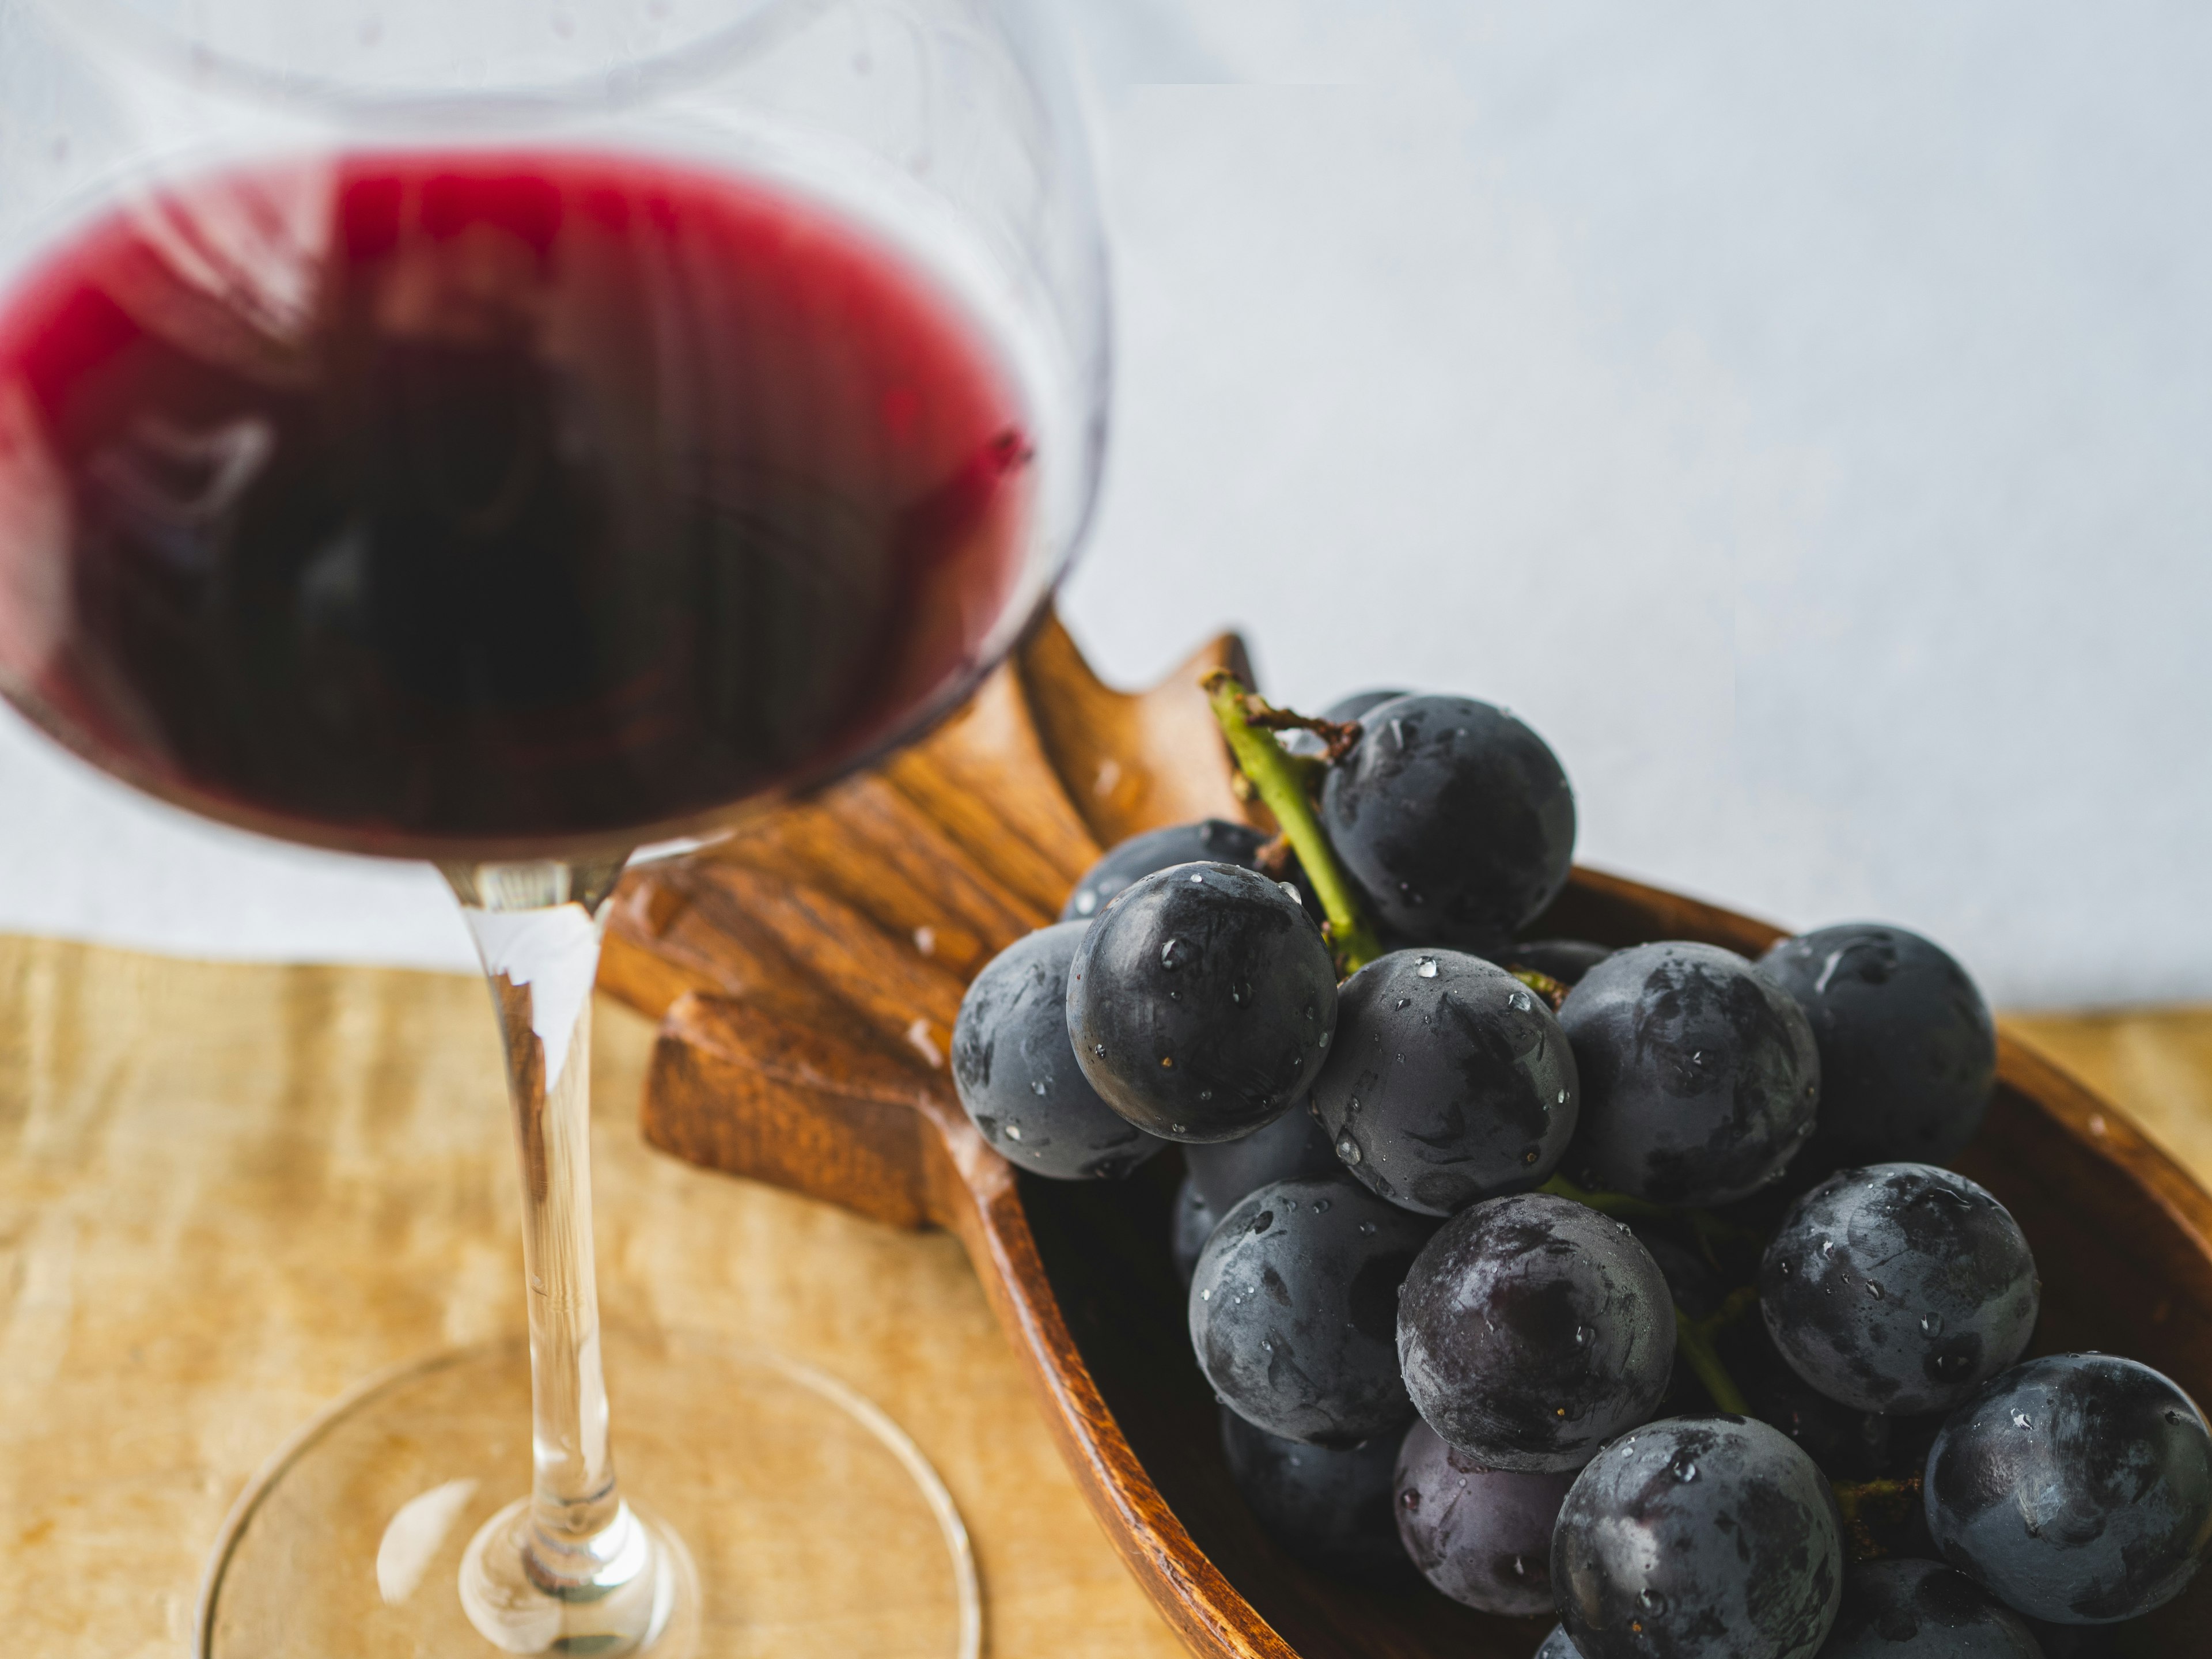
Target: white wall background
[[1799, 414]]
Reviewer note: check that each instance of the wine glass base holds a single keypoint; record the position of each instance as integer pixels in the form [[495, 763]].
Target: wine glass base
[[794, 1517]]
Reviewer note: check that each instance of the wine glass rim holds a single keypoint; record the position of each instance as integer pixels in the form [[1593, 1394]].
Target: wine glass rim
[[625, 85]]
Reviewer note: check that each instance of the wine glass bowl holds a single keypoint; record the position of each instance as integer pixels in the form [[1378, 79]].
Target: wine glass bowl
[[549, 465], [506, 434]]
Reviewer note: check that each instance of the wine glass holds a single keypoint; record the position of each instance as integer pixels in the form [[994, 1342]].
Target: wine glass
[[509, 433]]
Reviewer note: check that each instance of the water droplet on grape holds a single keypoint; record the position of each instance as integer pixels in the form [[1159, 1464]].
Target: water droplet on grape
[[1874, 1290], [1582, 1335], [1206, 1295], [2019, 1419], [1174, 954], [1367, 1229], [1086, 903], [1651, 1601], [1404, 1003], [1827, 1247], [1684, 1470], [1347, 1149], [1099, 1049], [1520, 1568], [1354, 1105], [1410, 1498], [1037, 1087], [1261, 1223], [1783, 1267], [1178, 1128], [1931, 1324], [1321, 1206], [1197, 878], [1206, 1094], [1013, 1131], [1426, 968]]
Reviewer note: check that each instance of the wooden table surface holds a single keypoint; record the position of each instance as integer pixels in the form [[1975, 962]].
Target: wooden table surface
[[229, 1192]]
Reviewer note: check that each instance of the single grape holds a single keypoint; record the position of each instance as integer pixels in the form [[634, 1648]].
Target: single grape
[[1699, 1077], [1190, 1225], [1533, 1330], [1565, 960], [1343, 710], [1293, 1308], [1201, 1001], [1898, 1288], [1559, 1645], [1699, 1538], [1482, 1536], [1216, 840], [1454, 818], [1908, 1051], [1293, 1145], [2077, 1488], [1017, 1075], [1328, 1507], [1448, 1081], [1905, 1609]]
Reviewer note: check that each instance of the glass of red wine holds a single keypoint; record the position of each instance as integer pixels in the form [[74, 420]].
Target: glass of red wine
[[512, 433]]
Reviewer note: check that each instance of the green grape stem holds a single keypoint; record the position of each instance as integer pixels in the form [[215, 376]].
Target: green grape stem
[[1543, 985], [1619, 1205], [1693, 1340], [1281, 779]]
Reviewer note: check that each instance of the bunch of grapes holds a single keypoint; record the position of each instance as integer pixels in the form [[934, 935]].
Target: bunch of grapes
[[1628, 1287]]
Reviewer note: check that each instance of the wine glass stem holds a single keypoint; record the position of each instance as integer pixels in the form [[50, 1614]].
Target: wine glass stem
[[537, 927]]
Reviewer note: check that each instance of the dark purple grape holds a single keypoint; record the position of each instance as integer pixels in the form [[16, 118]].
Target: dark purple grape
[[1905, 1609], [2077, 1488], [1482, 1536], [1908, 1054], [1699, 1077], [1900, 1288], [1342, 710], [1448, 1081], [1699, 1538], [1293, 1145], [1190, 1226], [1566, 960], [1293, 1309], [1559, 1645], [1017, 1074], [1454, 818], [1533, 1330], [1329, 1507], [1201, 1002], [1215, 841]]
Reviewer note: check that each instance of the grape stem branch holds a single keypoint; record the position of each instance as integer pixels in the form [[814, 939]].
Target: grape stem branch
[[1693, 1340], [1245, 722]]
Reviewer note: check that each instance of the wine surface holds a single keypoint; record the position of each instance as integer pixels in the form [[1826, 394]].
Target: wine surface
[[434, 503]]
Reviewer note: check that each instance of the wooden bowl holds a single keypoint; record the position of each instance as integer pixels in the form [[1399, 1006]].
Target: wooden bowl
[[807, 972]]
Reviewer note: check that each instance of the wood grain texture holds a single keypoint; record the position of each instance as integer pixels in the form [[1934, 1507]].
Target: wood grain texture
[[229, 1193], [809, 970]]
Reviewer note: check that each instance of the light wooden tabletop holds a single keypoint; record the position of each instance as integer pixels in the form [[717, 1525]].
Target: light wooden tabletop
[[227, 1192]]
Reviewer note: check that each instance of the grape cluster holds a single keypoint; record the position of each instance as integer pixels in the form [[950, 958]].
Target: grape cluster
[[1625, 1285]]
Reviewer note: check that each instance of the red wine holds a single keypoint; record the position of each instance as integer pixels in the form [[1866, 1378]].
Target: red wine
[[436, 503]]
